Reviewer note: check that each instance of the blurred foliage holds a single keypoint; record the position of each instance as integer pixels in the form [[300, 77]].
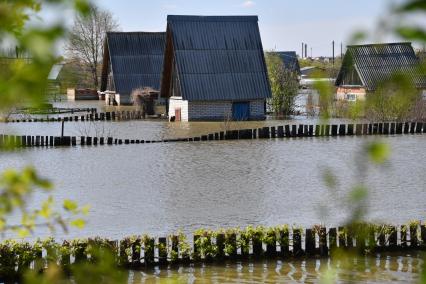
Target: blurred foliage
[[23, 82], [394, 99], [16, 188], [284, 85]]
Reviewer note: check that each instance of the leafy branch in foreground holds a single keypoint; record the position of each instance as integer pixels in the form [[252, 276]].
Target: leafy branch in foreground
[[16, 188]]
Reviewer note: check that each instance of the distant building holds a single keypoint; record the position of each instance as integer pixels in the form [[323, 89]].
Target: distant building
[[54, 83], [132, 60], [290, 60], [214, 68], [365, 66]]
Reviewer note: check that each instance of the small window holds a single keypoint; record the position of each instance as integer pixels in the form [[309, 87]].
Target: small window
[[351, 97]]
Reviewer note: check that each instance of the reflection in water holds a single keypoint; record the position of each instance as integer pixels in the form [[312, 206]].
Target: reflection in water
[[381, 268]]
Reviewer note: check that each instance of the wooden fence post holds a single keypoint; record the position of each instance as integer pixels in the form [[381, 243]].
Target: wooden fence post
[[414, 242], [287, 131], [280, 131], [386, 128], [334, 130], [220, 245], [419, 126], [273, 132], [412, 127], [162, 250], [284, 241], [332, 238], [317, 130], [149, 244], [323, 248], [342, 129], [404, 230], [406, 128], [327, 130], [297, 243], [300, 130], [294, 130], [350, 129], [310, 242], [174, 247]]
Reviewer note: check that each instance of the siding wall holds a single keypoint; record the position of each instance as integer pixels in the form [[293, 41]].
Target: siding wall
[[360, 92], [212, 110]]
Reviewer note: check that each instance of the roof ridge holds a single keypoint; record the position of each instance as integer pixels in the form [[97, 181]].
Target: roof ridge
[[224, 18], [136, 32], [381, 44]]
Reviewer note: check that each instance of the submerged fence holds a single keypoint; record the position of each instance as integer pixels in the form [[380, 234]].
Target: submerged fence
[[286, 131], [92, 116], [279, 242]]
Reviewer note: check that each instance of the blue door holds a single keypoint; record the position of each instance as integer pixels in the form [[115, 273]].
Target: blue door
[[240, 111]]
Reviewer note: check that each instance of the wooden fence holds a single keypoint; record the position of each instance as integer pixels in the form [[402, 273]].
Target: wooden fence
[[286, 131], [92, 116], [280, 242]]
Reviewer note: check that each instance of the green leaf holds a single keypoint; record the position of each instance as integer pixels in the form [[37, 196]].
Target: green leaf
[[70, 205], [85, 209], [78, 223], [23, 233], [359, 193], [412, 33], [412, 6], [378, 152]]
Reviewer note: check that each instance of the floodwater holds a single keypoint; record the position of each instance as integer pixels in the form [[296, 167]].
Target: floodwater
[[161, 188], [385, 268]]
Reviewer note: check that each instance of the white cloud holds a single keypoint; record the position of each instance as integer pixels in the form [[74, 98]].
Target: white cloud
[[248, 4]]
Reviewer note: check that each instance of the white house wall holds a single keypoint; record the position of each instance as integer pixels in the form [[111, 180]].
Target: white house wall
[[177, 102]]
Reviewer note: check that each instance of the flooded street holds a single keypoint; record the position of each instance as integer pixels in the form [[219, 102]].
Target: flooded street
[[161, 188]]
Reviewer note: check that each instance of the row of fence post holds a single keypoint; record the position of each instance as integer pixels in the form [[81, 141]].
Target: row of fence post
[[242, 134], [287, 243], [93, 116]]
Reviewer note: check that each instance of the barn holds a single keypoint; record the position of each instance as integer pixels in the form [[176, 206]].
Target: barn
[[132, 60], [214, 68], [365, 66]]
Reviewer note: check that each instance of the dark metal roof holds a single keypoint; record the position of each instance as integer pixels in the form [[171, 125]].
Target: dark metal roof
[[217, 58], [136, 59], [368, 65], [290, 60]]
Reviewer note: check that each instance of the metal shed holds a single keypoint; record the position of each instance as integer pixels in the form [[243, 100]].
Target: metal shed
[[212, 66], [290, 60], [365, 66], [132, 60]]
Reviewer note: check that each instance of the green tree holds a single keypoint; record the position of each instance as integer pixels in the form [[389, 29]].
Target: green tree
[[393, 100], [284, 85], [23, 82]]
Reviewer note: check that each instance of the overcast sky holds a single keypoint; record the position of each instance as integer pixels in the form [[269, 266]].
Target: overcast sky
[[284, 24]]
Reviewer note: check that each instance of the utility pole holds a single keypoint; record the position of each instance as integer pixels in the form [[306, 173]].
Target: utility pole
[[306, 50], [333, 52], [301, 55]]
